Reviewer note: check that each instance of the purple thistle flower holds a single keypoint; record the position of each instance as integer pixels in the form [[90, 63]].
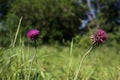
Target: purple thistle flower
[[99, 37], [33, 34]]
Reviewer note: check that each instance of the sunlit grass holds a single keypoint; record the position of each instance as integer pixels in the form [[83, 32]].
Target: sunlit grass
[[53, 63]]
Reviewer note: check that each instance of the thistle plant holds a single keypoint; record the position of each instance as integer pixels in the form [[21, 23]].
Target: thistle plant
[[33, 35], [97, 38]]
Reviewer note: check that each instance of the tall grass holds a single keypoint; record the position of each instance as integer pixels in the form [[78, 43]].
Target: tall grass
[[58, 63]]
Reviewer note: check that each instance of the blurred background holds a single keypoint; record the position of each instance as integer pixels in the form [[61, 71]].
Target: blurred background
[[59, 21]]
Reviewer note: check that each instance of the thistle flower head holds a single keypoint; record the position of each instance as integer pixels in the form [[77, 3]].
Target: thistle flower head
[[33, 34], [99, 37]]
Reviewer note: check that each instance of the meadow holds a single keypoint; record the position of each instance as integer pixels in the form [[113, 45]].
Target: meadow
[[56, 62], [62, 29]]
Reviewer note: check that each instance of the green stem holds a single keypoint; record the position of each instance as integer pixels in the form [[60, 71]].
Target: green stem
[[70, 60], [35, 46], [35, 42], [81, 62], [17, 31], [33, 58]]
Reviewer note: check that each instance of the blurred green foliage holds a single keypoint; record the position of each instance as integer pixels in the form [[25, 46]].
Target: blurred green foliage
[[57, 20]]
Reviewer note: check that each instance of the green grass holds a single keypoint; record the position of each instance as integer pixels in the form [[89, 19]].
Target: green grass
[[59, 63]]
